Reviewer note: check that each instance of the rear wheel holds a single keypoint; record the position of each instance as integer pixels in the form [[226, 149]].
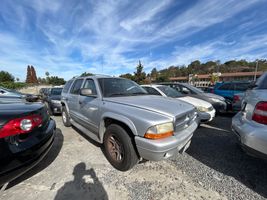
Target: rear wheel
[[119, 148], [65, 117]]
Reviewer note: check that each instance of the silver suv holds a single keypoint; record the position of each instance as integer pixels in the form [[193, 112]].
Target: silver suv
[[250, 124], [131, 124]]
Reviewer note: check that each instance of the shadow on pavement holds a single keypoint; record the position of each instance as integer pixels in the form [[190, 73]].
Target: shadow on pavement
[[218, 148], [81, 189], [47, 160]]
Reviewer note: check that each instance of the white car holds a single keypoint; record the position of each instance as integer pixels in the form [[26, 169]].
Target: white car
[[205, 109]]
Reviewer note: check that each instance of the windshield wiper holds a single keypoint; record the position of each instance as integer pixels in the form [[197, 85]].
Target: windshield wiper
[[118, 94], [139, 93]]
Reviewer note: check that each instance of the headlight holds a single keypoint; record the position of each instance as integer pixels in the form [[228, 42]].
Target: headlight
[[160, 131], [202, 109], [55, 101], [216, 100]]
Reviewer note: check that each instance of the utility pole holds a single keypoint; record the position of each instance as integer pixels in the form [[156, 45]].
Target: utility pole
[[256, 69]]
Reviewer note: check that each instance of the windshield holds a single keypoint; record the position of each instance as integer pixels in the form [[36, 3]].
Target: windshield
[[111, 87], [170, 92], [196, 90], [56, 91]]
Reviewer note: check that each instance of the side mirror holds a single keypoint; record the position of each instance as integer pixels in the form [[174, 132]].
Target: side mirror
[[86, 92], [185, 91], [252, 85]]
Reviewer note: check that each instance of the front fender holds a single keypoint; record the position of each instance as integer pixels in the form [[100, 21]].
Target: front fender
[[117, 117]]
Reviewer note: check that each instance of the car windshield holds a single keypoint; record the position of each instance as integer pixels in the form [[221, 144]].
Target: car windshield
[[56, 91], [196, 90], [170, 92], [111, 87]]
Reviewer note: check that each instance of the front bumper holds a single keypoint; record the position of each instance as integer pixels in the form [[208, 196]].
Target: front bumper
[[251, 135], [220, 106], [156, 150], [207, 116], [30, 157]]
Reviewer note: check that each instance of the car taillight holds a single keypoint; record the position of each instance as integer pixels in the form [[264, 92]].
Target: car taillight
[[260, 113], [236, 98], [20, 125]]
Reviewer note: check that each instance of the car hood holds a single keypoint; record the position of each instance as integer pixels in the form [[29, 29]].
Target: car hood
[[215, 96], [167, 106], [196, 102]]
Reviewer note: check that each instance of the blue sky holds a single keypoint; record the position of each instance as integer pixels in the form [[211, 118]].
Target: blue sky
[[67, 38]]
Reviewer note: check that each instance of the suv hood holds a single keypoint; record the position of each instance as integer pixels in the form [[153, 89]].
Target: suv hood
[[167, 106]]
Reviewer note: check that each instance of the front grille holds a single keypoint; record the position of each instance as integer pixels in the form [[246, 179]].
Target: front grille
[[182, 122]]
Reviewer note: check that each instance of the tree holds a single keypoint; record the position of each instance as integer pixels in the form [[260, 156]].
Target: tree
[[139, 74], [17, 79], [128, 76], [47, 74], [154, 74], [6, 77], [28, 76], [86, 74], [54, 80], [33, 75]]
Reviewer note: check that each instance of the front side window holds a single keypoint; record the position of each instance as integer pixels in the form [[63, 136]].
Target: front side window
[[76, 86], [112, 87], [90, 84], [67, 86]]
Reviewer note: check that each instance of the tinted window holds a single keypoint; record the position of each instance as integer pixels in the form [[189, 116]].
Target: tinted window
[[241, 86], [262, 82], [76, 86], [152, 91], [226, 86], [170, 92], [112, 87], [67, 86], [90, 84], [56, 91]]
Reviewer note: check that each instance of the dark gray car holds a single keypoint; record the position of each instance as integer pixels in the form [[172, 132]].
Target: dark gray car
[[216, 101]]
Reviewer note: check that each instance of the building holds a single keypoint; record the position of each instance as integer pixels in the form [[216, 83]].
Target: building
[[204, 80]]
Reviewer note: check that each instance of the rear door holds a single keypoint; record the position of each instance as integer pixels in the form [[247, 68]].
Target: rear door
[[73, 99], [88, 107]]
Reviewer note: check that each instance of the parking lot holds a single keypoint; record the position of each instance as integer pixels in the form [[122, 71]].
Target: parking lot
[[214, 167]]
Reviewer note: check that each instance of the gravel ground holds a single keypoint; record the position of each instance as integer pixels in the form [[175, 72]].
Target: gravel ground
[[216, 161], [214, 167]]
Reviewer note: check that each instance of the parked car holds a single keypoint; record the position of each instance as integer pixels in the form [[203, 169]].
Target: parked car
[[205, 110], [216, 101], [43, 92], [9, 93], [229, 89], [250, 124], [26, 135], [131, 124], [52, 100]]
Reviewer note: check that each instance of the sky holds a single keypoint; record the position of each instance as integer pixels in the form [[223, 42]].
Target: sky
[[67, 38]]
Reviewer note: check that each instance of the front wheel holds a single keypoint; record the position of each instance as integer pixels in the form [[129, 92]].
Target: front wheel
[[119, 149]]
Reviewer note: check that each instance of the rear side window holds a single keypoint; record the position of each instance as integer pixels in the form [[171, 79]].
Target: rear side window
[[241, 86], [226, 86], [67, 86], [76, 86]]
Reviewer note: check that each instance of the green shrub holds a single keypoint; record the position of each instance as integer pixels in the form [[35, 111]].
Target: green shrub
[[13, 85]]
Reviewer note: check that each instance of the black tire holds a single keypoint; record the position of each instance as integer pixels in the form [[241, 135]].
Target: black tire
[[65, 117], [127, 157]]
